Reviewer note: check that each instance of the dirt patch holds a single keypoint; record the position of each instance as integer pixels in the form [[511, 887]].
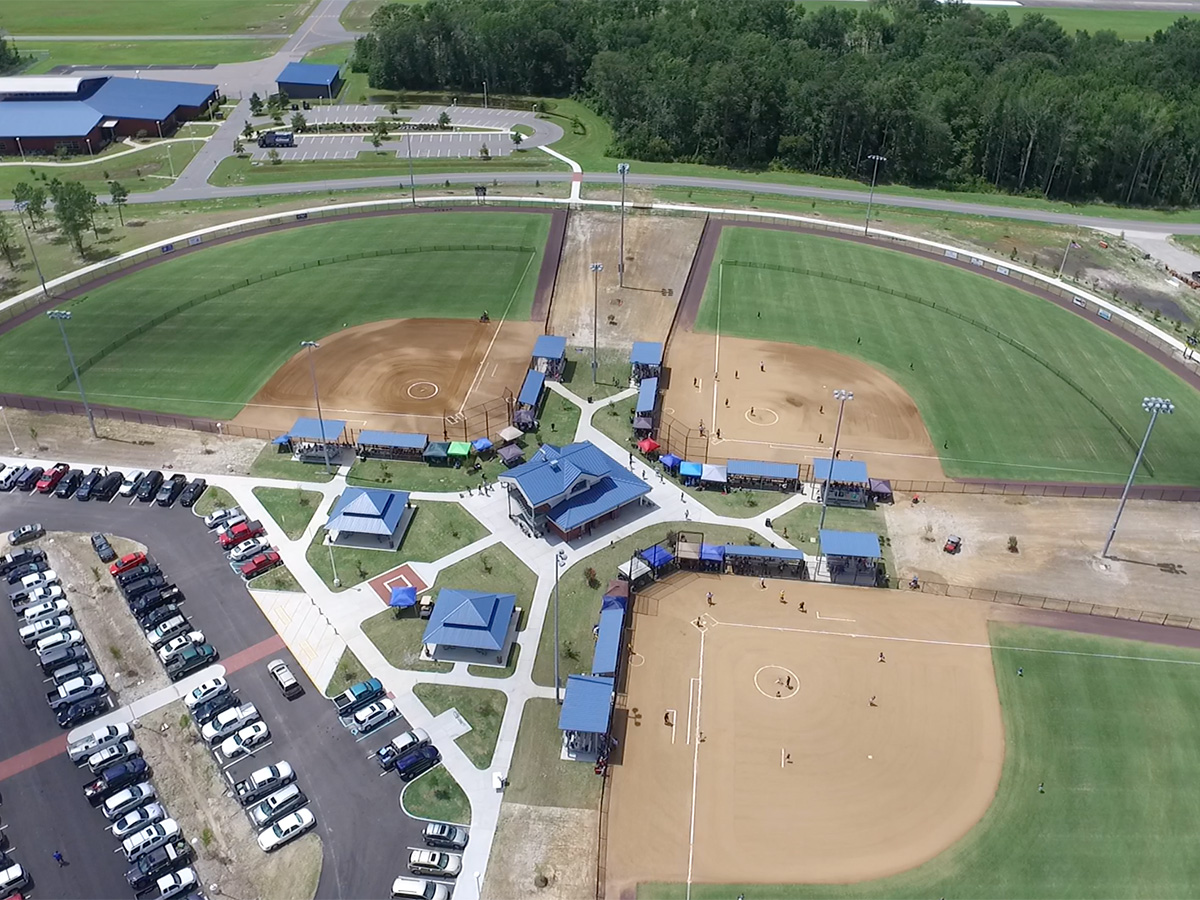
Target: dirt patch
[[848, 768], [399, 375], [557, 844], [658, 254], [196, 795], [784, 411], [1059, 542], [116, 641]]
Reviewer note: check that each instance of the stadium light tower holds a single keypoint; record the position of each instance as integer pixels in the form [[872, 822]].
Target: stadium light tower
[[1154, 406], [871, 196], [622, 170], [312, 369], [841, 396], [597, 268], [61, 316], [560, 560]]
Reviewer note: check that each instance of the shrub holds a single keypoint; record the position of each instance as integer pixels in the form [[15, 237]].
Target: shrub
[[590, 575], [1012, 544]]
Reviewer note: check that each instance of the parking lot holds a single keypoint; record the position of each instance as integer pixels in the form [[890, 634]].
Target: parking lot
[[425, 144], [358, 817]]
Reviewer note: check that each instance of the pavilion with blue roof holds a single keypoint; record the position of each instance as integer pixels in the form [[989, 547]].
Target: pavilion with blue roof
[[313, 440], [851, 557], [845, 479], [471, 626], [391, 444], [309, 81], [646, 358], [585, 716], [550, 356], [369, 517], [570, 489]]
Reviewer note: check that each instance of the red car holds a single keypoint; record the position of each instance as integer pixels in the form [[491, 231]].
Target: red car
[[242, 531], [51, 477], [127, 562], [260, 564]]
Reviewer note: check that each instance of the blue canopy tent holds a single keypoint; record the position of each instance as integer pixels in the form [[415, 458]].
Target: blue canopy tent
[[481, 445], [656, 556], [712, 553], [691, 472], [403, 598], [670, 461]]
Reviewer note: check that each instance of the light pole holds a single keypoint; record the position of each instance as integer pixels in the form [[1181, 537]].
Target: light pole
[[485, 99], [622, 170], [8, 427], [21, 149], [337, 582], [871, 196], [61, 316], [21, 208], [1154, 406], [312, 369], [560, 560], [412, 183], [841, 396], [597, 268]]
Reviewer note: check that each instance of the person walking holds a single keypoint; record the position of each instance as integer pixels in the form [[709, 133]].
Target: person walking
[[710, 599], [881, 657], [1041, 787], [58, 858], [762, 366], [802, 609], [727, 403], [695, 382], [782, 598], [1020, 672], [762, 583], [872, 702]]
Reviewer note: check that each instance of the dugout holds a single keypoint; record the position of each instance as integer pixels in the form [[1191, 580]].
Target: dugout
[[549, 356], [310, 440], [713, 477], [699, 556], [646, 358], [765, 562], [762, 476], [647, 398], [391, 445], [585, 716], [846, 481], [606, 659], [852, 557]]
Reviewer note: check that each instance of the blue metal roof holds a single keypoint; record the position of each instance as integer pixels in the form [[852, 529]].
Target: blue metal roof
[[397, 439], [851, 471], [550, 346], [146, 98], [46, 118], [691, 469], [470, 619], [587, 704], [310, 429], [850, 543], [552, 470], [656, 556], [646, 353], [367, 511], [761, 469], [308, 73], [603, 497], [763, 552], [608, 642], [531, 390], [647, 395]]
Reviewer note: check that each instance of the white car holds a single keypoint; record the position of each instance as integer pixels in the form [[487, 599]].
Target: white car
[[247, 549], [218, 516], [227, 722], [245, 740], [129, 485], [44, 627], [100, 739], [166, 630], [206, 691], [36, 580], [176, 884], [113, 755], [373, 715], [127, 800], [175, 645], [50, 592], [46, 608], [72, 638], [137, 819], [286, 829], [435, 862]]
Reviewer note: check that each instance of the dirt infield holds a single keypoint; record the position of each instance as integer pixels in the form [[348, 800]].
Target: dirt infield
[[775, 761], [398, 375], [784, 411]]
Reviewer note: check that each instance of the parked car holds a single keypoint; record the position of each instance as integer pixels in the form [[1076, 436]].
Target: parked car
[[106, 488], [68, 484], [176, 884], [398, 746], [202, 713], [135, 589], [100, 739], [153, 599], [263, 782], [13, 878], [82, 711], [435, 863], [51, 606], [192, 492], [113, 755], [418, 762], [286, 829], [260, 564], [283, 676], [29, 479], [26, 533], [149, 485], [72, 637], [137, 573], [153, 864], [158, 615], [114, 778], [18, 573], [103, 548], [10, 561], [51, 477], [235, 519], [175, 645], [190, 659], [10, 478], [77, 690], [206, 691], [24, 598], [248, 549], [277, 805], [170, 490], [130, 484], [35, 631], [374, 715], [228, 722], [137, 819], [358, 695], [53, 660], [163, 632], [74, 670], [127, 562], [419, 889], [218, 516], [150, 838], [441, 834], [245, 740], [42, 578], [88, 484], [242, 531], [128, 799]]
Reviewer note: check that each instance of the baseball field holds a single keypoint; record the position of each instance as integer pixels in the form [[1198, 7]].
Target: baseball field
[[177, 352], [1006, 384]]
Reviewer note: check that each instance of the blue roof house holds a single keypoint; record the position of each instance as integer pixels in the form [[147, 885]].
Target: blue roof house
[[369, 518], [308, 81], [471, 626], [570, 489]]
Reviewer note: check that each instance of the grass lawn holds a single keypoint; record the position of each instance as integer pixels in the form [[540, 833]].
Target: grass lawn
[[1116, 742], [992, 409], [1189, 241], [330, 55], [212, 499], [483, 710], [437, 529], [140, 171], [612, 372], [270, 463], [277, 579], [86, 17], [579, 604], [234, 170], [418, 476], [514, 654], [495, 569], [144, 53], [349, 671], [436, 795], [537, 776], [615, 420], [167, 368], [399, 640], [291, 508], [557, 421], [800, 525]]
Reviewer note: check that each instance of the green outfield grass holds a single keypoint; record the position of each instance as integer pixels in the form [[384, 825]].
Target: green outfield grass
[[88, 17], [210, 359], [992, 410], [1117, 744], [48, 54]]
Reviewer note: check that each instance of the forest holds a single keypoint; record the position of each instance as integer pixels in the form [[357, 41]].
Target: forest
[[953, 96]]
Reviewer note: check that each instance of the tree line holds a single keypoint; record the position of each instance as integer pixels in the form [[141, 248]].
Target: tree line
[[951, 95]]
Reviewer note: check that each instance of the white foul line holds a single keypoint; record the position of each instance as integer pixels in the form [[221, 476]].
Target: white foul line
[[695, 768], [503, 318]]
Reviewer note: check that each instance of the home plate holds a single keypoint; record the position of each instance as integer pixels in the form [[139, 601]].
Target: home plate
[[833, 618]]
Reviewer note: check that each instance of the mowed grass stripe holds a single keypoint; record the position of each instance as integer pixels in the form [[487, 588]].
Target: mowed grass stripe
[[1117, 744], [211, 359], [1002, 413]]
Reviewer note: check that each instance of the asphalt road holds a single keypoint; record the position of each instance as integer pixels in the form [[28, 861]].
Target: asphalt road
[[358, 815]]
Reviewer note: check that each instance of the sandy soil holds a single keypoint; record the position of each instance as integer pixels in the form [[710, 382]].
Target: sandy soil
[[117, 644], [196, 795], [1059, 543], [658, 254], [558, 844], [869, 790], [399, 375], [787, 413], [128, 445]]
